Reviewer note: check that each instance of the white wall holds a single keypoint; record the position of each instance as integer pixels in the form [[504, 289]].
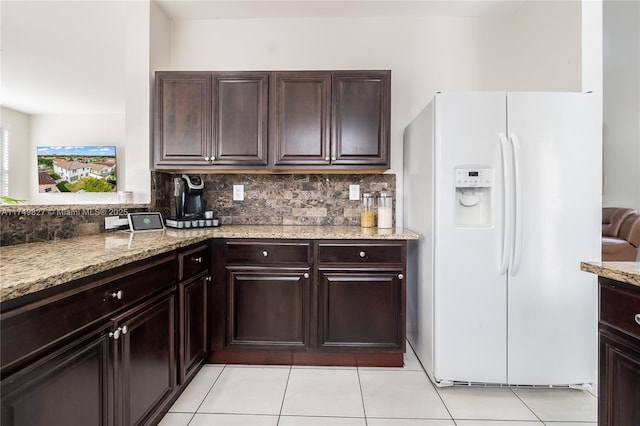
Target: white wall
[[539, 48], [138, 100], [621, 104]]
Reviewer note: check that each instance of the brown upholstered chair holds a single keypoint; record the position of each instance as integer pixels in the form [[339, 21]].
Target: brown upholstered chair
[[620, 234]]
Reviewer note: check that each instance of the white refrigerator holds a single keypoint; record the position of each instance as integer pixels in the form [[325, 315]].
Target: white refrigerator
[[505, 191]]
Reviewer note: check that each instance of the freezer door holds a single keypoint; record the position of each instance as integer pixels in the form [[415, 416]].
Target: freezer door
[[552, 331], [469, 292]]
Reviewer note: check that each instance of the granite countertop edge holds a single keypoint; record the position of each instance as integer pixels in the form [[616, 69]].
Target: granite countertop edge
[[32, 267], [626, 272]]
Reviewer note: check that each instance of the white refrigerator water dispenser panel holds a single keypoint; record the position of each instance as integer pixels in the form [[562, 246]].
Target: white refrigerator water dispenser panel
[[474, 178]]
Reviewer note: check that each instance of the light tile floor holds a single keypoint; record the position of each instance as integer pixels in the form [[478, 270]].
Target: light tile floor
[[231, 395]]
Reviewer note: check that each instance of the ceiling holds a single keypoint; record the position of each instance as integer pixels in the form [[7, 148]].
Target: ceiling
[[67, 57], [242, 9]]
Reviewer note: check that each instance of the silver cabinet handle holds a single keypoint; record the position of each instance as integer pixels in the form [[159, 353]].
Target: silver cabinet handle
[[306, 275], [326, 158], [197, 259], [363, 254], [213, 158], [117, 295], [116, 333], [124, 329], [206, 158], [638, 319], [208, 279], [265, 254], [333, 158], [400, 276]]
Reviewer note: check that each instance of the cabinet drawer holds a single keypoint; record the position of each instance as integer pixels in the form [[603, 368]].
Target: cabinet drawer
[[620, 309], [192, 261], [27, 330], [245, 252], [361, 252]]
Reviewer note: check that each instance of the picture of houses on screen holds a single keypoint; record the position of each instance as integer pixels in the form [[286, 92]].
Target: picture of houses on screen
[[76, 168]]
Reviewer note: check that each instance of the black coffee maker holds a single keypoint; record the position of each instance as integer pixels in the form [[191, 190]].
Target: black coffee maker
[[189, 193]]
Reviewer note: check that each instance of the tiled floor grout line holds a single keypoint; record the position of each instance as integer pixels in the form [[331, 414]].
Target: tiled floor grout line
[[284, 394], [526, 405], [364, 409], [208, 392]]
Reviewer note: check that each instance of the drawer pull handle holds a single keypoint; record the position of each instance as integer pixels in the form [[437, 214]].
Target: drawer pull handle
[[115, 334], [265, 254], [638, 319], [306, 275], [117, 295], [363, 254], [197, 259], [400, 276]]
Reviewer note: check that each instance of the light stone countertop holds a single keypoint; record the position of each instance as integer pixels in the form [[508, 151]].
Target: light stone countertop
[[27, 268], [626, 272]]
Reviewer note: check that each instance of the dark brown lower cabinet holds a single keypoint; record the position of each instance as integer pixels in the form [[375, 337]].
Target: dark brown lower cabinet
[[619, 369], [103, 350], [68, 388], [268, 307], [360, 310], [193, 321], [319, 302], [144, 359], [620, 382]]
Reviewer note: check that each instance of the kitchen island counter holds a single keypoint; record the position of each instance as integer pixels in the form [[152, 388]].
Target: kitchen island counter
[[28, 268], [626, 272]]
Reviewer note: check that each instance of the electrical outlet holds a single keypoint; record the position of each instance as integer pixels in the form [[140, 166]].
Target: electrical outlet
[[354, 192], [238, 192]]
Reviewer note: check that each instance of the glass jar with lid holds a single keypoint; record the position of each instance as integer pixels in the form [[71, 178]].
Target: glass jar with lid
[[367, 215], [385, 209]]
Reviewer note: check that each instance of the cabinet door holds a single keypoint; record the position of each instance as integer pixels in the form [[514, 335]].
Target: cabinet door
[[182, 119], [240, 118], [619, 381], [300, 118], [70, 387], [145, 358], [360, 309], [193, 325], [361, 118], [267, 307]]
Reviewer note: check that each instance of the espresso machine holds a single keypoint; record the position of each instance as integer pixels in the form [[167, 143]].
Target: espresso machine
[[189, 198]]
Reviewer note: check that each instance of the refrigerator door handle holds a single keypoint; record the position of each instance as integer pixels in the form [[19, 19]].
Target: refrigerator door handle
[[507, 206], [516, 252]]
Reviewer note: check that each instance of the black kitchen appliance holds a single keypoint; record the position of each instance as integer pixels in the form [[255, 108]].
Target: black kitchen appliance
[[189, 193]]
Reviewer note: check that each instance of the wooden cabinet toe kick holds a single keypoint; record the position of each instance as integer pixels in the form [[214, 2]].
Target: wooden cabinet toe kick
[[324, 359]]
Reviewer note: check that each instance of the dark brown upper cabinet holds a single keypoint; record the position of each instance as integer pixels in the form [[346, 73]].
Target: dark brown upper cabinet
[[361, 117], [182, 119], [301, 119], [281, 120], [240, 101], [330, 120]]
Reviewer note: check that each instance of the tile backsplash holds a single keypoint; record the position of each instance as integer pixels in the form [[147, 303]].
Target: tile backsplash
[[34, 223], [294, 199]]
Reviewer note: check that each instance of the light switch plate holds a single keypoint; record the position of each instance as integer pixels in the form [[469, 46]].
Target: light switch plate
[[238, 192], [354, 192]]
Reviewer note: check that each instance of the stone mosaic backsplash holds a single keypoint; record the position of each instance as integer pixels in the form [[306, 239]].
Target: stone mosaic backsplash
[[293, 199], [29, 223]]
